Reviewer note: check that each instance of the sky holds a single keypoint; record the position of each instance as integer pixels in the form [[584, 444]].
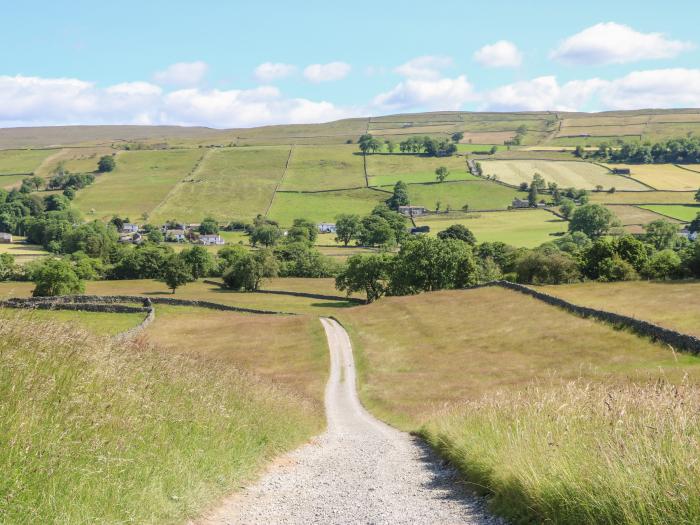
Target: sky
[[240, 64]]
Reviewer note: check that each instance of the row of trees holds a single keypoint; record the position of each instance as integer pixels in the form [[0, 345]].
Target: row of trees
[[455, 260], [676, 151], [434, 147]]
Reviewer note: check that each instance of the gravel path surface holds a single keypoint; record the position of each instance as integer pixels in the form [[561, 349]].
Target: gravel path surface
[[359, 471]]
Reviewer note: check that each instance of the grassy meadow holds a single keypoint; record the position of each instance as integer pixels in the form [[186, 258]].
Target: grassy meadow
[[478, 194], [22, 161], [288, 350], [75, 160], [386, 169], [99, 323], [324, 207], [685, 213], [643, 197], [519, 228], [23, 252], [95, 431], [517, 393], [139, 183], [566, 174], [313, 168], [673, 304], [235, 183]]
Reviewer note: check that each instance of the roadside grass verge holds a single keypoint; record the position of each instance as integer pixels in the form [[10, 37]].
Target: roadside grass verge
[[580, 452], [92, 431], [557, 418]]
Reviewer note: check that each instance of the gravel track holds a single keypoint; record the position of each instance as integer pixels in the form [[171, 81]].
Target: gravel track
[[359, 471]]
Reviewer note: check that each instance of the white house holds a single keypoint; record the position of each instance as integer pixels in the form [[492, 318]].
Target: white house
[[5, 238], [208, 240], [175, 235], [127, 227], [326, 227], [413, 211]]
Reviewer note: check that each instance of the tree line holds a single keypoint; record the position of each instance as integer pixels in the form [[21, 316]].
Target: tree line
[[674, 151]]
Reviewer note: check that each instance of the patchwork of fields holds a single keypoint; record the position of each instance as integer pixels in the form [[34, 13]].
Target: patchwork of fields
[[675, 211], [668, 177], [386, 170], [566, 174]]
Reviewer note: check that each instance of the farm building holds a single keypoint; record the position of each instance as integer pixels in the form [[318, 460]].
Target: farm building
[[132, 238], [210, 240], [175, 235], [413, 211], [326, 227], [691, 236], [127, 227], [5, 238], [621, 171], [520, 203]]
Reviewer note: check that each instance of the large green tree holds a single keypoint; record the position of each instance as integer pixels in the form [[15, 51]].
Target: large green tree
[[56, 277], [198, 261], [661, 233], [459, 232], [347, 228], [106, 163], [248, 272], [175, 273], [366, 273], [399, 197], [592, 219]]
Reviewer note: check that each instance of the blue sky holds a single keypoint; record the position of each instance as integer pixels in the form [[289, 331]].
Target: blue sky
[[226, 64]]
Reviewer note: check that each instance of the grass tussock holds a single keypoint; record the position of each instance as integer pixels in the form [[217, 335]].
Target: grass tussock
[[581, 452], [95, 432]]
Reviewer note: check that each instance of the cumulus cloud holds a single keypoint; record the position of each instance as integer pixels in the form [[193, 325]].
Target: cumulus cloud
[[269, 71], [660, 88], [37, 101], [501, 54], [542, 93], [611, 43], [441, 93], [182, 74], [326, 72], [427, 67]]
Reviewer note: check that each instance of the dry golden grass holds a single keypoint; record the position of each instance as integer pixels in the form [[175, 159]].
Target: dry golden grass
[[419, 353], [673, 304], [289, 350], [644, 197], [633, 218], [580, 452], [664, 176]]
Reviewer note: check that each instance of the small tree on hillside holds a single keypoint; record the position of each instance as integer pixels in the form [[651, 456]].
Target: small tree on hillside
[[697, 196], [532, 196], [390, 146], [441, 173], [347, 228], [175, 273], [457, 137], [56, 277], [459, 232], [106, 163], [400, 196]]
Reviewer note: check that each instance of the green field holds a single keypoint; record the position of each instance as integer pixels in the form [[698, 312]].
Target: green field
[[478, 194], [682, 213], [140, 182], [8, 182], [386, 169], [526, 228], [324, 168], [236, 183], [23, 252], [324, 207], [99, 323], [643, 197], [22, 161], [75, 160]]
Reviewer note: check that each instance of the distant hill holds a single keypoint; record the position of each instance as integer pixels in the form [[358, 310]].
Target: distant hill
[[543, 128]]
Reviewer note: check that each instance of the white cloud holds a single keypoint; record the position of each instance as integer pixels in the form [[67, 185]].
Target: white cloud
[[427, 67], [326, 72], [611, 43], [182, 74], [538, 94], [269, 71], [660, 88], [34, 101], [501, 54], [442, 93]]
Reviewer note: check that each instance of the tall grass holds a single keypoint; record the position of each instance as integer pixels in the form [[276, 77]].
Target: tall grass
[[93, 432], [581, 452]]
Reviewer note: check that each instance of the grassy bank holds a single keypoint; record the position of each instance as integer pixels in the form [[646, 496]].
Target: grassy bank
[[580, 452], [96, 432], [466, 369]]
